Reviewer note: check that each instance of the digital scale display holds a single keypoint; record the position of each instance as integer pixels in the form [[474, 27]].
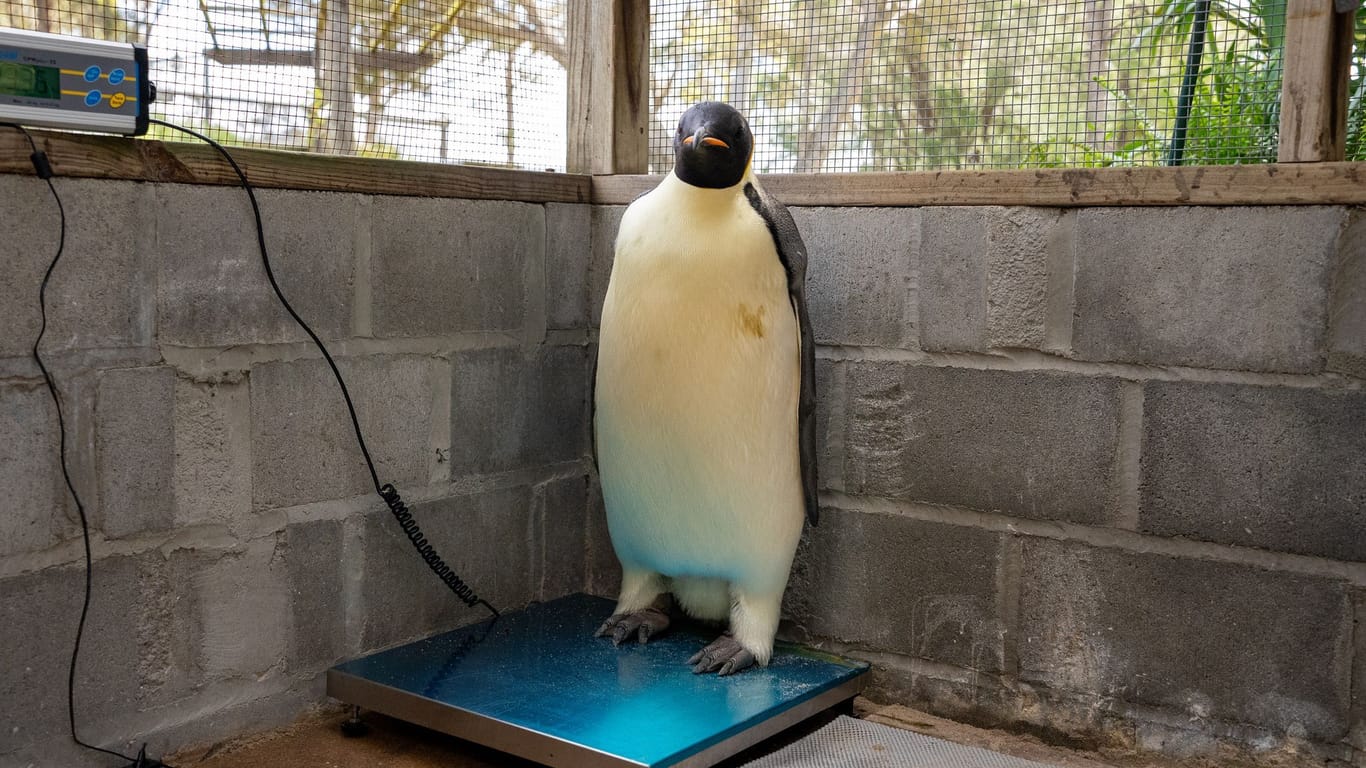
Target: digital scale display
[[74, 83], [29, 81]]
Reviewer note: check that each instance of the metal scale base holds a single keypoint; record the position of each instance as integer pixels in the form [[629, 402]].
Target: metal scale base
[[537, 684]]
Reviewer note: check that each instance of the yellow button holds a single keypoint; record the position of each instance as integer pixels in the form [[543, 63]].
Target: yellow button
[[117, 100]]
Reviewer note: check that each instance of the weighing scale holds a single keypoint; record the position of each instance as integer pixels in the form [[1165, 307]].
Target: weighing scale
[[537, 684]]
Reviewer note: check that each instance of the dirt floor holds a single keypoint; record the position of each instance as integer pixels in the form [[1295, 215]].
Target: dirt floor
[[316, 741]]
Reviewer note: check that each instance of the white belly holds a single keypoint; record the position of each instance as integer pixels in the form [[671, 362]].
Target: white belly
[[697, 386]]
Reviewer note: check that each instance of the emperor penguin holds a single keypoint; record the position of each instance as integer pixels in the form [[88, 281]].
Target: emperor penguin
[[704, 398]]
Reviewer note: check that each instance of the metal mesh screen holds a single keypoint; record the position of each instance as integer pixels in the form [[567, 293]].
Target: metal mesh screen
[[472, 81], [873, 85]]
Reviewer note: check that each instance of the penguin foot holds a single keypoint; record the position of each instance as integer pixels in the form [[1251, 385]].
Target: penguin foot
[[724, 656], [643, 624]]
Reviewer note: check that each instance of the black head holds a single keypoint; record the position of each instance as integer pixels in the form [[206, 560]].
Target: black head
[[712, 146]]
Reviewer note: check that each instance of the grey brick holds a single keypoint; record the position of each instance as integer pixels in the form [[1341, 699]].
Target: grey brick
[[487, 538], [1214, 641], [1347, 312], [897, 584], [1356, 735], [1028, 444], [212, 475], [604, 570], [561, 516], [952, 291], [860, 280], [830, 402], [213, 289], [317, 608], [1237, 288], [442, 266], [510, 411], [606, 220], [101, 294], [37, 624], [135, 445], [303, 447], [29, 470], [568, 264], [244, 611], [1271, 467]]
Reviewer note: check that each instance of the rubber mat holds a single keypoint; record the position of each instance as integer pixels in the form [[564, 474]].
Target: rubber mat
[[851, 743]]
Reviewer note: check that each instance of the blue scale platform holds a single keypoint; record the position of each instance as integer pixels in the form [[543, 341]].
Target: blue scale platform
[[537, 684]]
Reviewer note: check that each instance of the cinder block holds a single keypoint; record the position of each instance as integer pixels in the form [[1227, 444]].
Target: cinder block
[[213, 290], [897, 584], [29, 470], [1271, 467], [1208, 640], [1017, 274], [1356, 735], [101, 294], [135, 446], [303, 446], [561, 518], [568, 264], [830, 402], [952, 290], [212, 477], [38, 613], [441, 266], [1236, 288], [244, 606], [604, 570], [860, 281], [1029, 444], [605, 221], [1347, 310], [315, 567], [510, 411], [486, 538]]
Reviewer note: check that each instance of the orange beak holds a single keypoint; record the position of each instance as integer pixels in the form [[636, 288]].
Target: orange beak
[[707, 141]]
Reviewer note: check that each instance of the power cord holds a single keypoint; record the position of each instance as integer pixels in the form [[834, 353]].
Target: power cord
[[43, 168], [387, 492], [390, 495]]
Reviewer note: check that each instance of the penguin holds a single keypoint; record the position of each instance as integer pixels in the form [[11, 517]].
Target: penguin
[[704, 398]]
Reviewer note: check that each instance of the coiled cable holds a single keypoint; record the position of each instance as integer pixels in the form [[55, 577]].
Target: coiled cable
[[387, 492]]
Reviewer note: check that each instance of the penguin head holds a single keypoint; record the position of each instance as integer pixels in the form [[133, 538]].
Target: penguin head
[[712, 146]]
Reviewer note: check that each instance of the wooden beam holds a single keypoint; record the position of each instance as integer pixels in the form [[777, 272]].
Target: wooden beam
[[398, 61], [1292, 184], [1318, 49], [609, 58], [112, 157]]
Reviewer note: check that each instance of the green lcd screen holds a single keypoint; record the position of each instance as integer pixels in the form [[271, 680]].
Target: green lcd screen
[[29, 81]]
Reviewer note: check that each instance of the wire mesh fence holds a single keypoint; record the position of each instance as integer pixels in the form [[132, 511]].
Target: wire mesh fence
[[873, 85], [478, 82], [828, 85]]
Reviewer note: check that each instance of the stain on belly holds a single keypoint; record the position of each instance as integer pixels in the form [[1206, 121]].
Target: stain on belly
[[752, 320]]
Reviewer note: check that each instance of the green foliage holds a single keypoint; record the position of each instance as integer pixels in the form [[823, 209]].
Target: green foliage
[[993, 83]]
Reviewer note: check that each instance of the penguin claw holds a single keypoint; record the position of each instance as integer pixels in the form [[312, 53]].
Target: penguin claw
[[643, 624], [724, 656]]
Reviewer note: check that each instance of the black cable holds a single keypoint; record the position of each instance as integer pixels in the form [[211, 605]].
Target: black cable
[[387, 492], [44, 171]]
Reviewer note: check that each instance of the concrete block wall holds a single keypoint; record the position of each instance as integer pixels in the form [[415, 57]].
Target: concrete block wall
[[1096, 474], [238, 548]]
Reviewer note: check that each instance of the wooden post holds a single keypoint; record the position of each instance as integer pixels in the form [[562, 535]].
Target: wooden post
[[1318, 49], [609, 83]]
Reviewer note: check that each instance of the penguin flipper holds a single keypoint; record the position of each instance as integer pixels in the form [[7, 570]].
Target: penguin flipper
[[792, 253]]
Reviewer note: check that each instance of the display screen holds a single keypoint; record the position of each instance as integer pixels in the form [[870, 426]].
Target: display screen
[[30, 81]]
